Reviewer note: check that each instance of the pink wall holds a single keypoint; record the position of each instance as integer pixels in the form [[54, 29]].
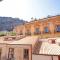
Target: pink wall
[[44, 57]]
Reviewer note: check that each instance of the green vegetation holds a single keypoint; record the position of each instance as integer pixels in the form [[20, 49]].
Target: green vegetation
[[7, 33], [2, 34], [12, 33]]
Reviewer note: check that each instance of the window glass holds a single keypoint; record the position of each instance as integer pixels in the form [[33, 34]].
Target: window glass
[[37, 30], [46, 30], [11, 54], [26, 53], [58, 28]]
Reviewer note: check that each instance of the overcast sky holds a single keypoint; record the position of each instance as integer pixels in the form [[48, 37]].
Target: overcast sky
[[25, 9]]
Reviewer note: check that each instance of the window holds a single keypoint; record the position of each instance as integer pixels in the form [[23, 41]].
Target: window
[[46, 30], [26, 53], [53, 41], [11, 54], [37, 31], [28, 32], [58, 28], [21, 33]]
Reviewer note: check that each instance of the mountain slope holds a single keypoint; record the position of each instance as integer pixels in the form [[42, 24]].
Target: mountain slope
[[8, 23]]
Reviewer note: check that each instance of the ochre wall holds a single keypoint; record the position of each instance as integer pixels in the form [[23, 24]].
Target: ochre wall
[[51, 23]]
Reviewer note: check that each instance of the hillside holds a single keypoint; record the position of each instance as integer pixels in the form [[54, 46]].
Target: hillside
[[8, 23]]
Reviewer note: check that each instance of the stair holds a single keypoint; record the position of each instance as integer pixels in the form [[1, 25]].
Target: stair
[[37, 47]]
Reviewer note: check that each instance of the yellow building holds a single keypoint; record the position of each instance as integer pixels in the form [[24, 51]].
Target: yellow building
[[46, 27]]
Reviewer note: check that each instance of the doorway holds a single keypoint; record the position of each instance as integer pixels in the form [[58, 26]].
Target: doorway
[[0, 53], [58, 57]]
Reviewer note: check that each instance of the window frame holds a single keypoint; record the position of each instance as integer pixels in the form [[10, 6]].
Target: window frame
[[26, 54], [11, 53], [46, 28], [37, 31], [58, 28]]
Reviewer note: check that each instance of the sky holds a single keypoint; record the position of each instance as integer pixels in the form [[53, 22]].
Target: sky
[[26, 9]]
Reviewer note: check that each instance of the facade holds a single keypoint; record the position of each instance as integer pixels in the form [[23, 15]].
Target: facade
[[28, 45], [49, 27], [30, 48], [17, 50]]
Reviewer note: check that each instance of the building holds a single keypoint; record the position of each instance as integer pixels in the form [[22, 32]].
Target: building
[[35, 40], [30, 48], [17, 50], [46, 27]]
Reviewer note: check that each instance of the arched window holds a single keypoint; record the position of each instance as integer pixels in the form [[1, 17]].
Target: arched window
[[58, 28], [46, 30]]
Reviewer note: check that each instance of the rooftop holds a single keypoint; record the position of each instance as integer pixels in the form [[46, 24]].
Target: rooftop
[[45, 47], [27, 40], [50, 49]]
